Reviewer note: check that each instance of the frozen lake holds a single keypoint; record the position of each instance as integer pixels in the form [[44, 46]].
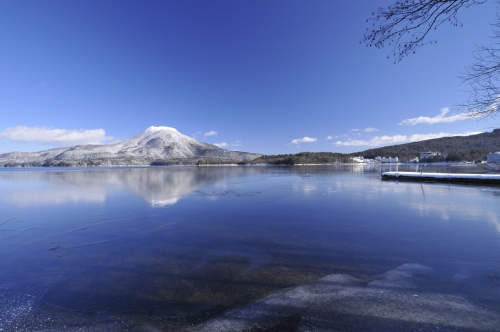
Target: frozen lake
[[316, 248]]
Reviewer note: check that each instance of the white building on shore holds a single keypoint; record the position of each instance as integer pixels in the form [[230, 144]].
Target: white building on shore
[[493, 157], [359, 159]]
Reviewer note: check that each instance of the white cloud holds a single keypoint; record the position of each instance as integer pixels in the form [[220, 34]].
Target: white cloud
[[397, 139], [304, 139], [441, 118], [220, 145], [57, 137], [329, 138], [210, 133], [376, 141], [366, 130], [237, 143]]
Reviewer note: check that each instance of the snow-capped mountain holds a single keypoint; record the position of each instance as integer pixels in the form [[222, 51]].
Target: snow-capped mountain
[[155, 143]]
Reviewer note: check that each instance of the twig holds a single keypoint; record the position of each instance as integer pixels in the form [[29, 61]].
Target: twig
[[7, 221]]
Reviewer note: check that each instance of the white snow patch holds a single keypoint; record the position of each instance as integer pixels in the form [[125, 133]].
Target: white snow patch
[[153, 128], [444, 175]]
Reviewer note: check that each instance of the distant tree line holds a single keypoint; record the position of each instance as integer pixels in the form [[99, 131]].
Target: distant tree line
[[192, 162], [302, 158]]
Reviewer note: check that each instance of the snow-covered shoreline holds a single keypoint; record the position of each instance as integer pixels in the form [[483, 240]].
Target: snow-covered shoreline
[[442, 177]]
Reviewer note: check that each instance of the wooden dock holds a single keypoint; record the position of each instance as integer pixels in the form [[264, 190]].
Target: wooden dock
[[443, 177]]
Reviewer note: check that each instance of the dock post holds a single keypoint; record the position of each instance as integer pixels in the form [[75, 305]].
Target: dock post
[[422, 171]]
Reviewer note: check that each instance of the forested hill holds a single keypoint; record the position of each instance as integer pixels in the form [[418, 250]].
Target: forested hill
[[457, 148]]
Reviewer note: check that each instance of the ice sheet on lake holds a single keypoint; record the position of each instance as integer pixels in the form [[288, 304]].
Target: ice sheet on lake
[[400, 299], [19, 299], [411, 297]]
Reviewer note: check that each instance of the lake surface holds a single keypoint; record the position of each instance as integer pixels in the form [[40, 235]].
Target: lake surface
[[316, 248]]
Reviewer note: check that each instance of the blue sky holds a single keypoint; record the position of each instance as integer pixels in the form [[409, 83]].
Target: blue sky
[[259, 76]]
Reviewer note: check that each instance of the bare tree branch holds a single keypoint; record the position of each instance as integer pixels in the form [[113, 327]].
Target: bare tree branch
[[483, 77], [405, 26], [394, 24]]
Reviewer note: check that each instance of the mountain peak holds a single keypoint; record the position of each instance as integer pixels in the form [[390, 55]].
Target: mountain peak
[[155, 143], [153, 129]]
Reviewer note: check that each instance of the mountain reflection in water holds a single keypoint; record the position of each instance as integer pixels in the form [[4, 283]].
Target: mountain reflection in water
[[245, 248], [155, 185]]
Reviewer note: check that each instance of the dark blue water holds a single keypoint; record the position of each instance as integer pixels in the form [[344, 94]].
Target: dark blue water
[[186, 248]]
